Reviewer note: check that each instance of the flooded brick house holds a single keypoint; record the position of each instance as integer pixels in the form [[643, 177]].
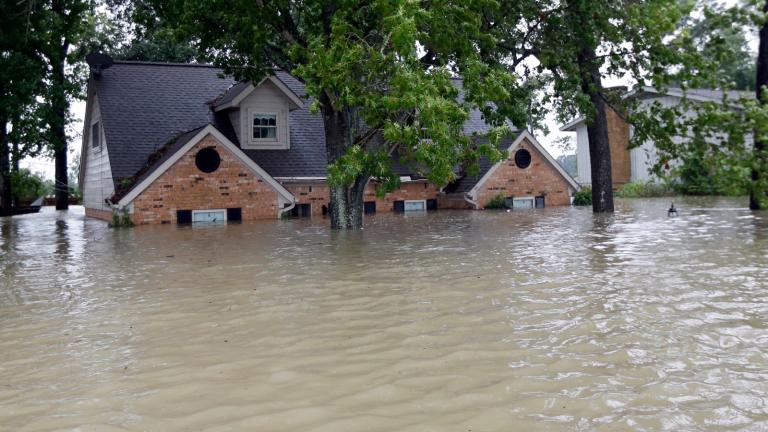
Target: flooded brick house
[[181, 143]]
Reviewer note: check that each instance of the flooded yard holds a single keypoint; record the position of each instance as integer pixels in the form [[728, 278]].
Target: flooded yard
[[549, 319]]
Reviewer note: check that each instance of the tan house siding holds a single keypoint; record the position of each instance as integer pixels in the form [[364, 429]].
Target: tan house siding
[[98, 214], [454, 201], [184, 187], [540, 178], [618, 139]]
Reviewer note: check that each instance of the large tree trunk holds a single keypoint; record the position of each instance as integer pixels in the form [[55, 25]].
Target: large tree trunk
[[758, 191], [346, 207], [6, 195], [58, 131], [597, 133], [15, 157]]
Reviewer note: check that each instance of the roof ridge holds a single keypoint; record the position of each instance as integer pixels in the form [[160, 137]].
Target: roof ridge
[[158, 63]]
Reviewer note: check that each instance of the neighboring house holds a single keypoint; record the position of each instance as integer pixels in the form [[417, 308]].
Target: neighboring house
[[177, 143], [628, 165]]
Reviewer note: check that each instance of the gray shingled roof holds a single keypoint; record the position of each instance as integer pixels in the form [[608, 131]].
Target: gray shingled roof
[[145, 106], [467, 182]]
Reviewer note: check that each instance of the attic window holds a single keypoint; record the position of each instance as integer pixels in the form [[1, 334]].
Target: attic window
[[207, 160], [96, 135], [522, 158], [264, 127]]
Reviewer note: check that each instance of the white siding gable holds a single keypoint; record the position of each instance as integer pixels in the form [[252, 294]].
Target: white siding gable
[[97, 181], [265, 99]]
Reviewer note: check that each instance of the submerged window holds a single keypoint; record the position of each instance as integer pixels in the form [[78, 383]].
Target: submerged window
[[415, 205], [96, 135], [264, 126], [301, 210], [234, 214], [522, 203], [183, 216], [369, 207], [209, 216], [207, 160], [522, 158]]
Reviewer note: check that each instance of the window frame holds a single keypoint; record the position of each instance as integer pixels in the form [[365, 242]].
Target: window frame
[[529, 199], [96, 124], [406, 202], [202, 211], [276, 127]]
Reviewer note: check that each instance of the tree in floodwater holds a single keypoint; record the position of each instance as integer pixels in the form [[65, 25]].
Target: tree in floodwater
[[378, 72], [21, 80], [63, 25], [577, 44], [721, 34]]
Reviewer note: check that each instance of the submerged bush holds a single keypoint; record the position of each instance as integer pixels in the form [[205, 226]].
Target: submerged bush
[[497, 202], [27, 186], [639, 189], [121, 218], [583, 197]]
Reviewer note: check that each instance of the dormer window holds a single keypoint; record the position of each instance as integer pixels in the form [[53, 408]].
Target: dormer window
[[264, 127]]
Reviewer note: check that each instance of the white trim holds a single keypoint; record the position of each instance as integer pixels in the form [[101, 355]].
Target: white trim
[[525, 135], [293, 97], [258, 141], [208, 130], [224, 211], [571, 126], [532, 199], [292, 179], [424, 202]]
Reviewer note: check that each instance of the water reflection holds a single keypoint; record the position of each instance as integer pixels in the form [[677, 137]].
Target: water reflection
[[552, 319]]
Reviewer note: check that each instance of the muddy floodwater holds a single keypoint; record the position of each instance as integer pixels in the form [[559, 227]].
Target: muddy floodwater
[[549, 319]]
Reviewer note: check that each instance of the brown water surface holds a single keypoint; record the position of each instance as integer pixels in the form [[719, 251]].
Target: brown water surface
[[550, 319]]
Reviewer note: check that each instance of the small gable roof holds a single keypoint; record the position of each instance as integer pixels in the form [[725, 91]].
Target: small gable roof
[[235, 94], [181, 146], [470, 185]]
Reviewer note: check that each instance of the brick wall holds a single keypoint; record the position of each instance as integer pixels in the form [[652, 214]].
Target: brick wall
[[318, 194], [618, 139], [540, 178], [421, 190], [185, 187], [99, 214]]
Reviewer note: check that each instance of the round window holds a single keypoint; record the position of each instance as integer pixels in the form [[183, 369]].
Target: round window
[[522, 158], [207, 160]]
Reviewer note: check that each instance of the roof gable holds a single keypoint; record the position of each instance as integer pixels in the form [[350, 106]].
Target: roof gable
[[238, 92], [181, 147], [471, 185]]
